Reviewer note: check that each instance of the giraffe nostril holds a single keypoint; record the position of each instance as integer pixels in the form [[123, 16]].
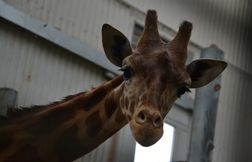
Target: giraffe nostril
[[141, 117], [153, 118], [158, 121]]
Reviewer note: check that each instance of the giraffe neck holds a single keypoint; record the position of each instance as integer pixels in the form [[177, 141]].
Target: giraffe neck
[[67, 130]]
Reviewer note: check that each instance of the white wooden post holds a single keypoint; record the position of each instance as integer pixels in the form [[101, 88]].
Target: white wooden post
[[204, 114]]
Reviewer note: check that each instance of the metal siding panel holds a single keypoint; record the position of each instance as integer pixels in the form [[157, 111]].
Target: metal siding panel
[[28, 61], [181, 120], [125, 151], [79, 19], [180, 145], [234, 118]]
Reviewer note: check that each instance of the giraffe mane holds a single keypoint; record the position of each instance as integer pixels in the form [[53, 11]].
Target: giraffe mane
[[19, 112], [22, 112]]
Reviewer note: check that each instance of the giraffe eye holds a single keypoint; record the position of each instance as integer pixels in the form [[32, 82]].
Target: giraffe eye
[[182, 91], [127, 73]]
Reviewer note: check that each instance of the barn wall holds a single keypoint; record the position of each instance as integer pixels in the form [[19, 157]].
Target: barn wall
[[39, 70], [233, 138], [224, 23], [79, 19], [181, 120]]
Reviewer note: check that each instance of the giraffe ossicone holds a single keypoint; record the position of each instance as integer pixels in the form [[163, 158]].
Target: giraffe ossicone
[[154, 76]]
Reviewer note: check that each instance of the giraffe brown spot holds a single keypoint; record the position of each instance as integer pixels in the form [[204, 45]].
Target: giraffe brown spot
[[52, 120], [27, 153], [119, 116], [94, 124], [116, 81], [110, 107], [68, 147], [5, 140], [93, 98]]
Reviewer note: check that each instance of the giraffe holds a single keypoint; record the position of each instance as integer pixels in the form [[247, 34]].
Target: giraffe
[[153, 76]]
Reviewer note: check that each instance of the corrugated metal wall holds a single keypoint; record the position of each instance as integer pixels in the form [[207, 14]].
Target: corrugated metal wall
[[39, 70], [181, 120], [233, 136], [78, 18], [225, 23]]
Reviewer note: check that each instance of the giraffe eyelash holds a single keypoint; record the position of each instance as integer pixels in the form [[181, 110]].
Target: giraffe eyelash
[[182, 91], [127, 72]]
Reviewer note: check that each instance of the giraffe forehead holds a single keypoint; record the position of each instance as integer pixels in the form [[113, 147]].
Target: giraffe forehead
[[149, 61], [159, 64]]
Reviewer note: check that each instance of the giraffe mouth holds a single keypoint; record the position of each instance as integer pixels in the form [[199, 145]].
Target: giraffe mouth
[[146, 135]]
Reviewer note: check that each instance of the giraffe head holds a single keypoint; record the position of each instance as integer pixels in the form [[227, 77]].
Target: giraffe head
[[155, 75]]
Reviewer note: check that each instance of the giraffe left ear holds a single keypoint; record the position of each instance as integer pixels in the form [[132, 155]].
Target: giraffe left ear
[[115, 44], [203, 71]]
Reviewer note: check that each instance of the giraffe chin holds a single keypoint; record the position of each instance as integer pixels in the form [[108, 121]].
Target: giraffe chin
[[146, 135]]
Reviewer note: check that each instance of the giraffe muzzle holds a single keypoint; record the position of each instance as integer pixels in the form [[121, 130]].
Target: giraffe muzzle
[[149, 117], [147, 126]]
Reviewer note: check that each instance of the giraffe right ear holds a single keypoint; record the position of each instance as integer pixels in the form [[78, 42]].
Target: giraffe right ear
[[203, 71], [115, 44]]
